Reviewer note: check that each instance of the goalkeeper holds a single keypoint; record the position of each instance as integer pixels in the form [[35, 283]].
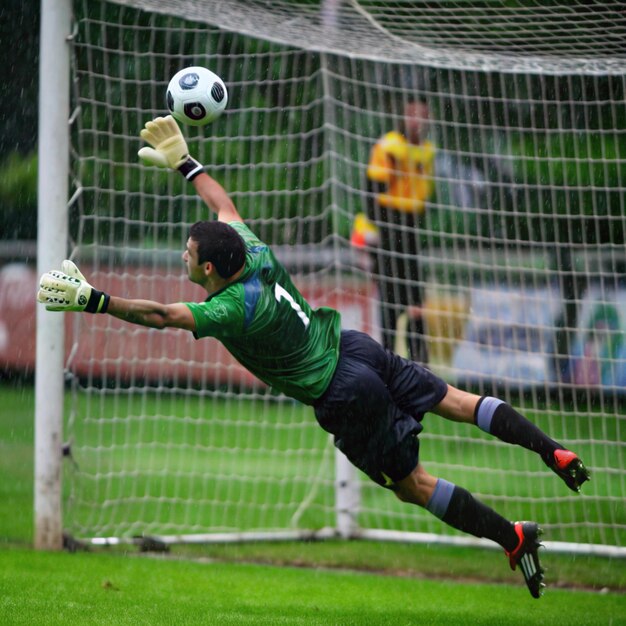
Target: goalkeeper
[[400, 184], [370, 399]]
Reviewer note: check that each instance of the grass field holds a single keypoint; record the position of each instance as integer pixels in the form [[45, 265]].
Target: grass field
[[85, 589], [263, 583]]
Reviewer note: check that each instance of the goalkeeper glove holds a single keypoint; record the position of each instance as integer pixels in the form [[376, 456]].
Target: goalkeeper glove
[[169, 148], [395, 146], [68, 290]]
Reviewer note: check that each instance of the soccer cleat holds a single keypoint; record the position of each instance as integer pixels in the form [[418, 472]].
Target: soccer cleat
[[570, 468], [526, 555]]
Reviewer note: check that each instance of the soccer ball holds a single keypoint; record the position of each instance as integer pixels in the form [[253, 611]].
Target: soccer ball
[[196, 96]]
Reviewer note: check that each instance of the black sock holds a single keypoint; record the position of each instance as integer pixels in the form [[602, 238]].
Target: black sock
[[468, 514], [458, 508], [502, 421]]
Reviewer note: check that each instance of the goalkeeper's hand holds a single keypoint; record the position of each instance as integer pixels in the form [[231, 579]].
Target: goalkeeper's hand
[[68, 290], [395, 147], [169, 148]]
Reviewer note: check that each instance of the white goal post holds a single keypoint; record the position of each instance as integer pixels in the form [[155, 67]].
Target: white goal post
[[521, 253], [52, 191]]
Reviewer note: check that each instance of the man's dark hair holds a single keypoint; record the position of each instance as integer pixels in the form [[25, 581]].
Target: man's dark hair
[[220, 244]]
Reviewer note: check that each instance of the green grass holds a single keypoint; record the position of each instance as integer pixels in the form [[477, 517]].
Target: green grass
[[43, 588], [336, 582], [16, 463]]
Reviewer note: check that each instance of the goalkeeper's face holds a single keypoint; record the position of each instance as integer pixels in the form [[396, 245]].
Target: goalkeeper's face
[[415, 121], [195, 271]]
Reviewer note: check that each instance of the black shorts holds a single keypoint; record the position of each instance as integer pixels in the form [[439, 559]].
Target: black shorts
[[374, 405]]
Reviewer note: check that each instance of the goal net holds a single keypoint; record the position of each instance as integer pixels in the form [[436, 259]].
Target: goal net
[[520, 250]]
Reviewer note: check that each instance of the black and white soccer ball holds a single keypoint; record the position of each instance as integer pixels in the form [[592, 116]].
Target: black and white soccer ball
[[196, 96]]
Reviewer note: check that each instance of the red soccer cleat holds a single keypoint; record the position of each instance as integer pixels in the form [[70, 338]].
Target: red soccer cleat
[[570, 468], [526, 555]]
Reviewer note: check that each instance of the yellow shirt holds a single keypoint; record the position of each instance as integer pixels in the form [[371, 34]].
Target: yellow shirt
[[406, 169]]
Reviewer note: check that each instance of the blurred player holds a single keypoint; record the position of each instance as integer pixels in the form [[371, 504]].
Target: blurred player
[[370, 399], [399, 185]]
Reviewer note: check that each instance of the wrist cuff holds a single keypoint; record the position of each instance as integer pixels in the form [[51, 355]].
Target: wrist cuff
[[98, 302], [190, 168]]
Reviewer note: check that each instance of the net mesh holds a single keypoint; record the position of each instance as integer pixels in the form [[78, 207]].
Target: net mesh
[[525, 35], [521, 259]]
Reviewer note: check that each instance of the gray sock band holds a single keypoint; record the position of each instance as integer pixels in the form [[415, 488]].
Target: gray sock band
[[439, 501], [486, 409]]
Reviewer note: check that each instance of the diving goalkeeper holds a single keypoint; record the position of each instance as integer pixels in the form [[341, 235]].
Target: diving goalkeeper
[[371, 400]]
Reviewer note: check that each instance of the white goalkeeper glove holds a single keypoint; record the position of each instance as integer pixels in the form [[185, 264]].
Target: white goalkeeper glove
[[68, 290], [169, 148]]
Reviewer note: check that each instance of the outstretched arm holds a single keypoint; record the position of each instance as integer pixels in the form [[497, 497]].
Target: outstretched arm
[[68, 290], [169, 149], [216, 198], [152, 314]]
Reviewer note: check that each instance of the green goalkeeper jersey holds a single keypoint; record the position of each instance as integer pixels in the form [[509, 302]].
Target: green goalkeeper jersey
[[266, 324]]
